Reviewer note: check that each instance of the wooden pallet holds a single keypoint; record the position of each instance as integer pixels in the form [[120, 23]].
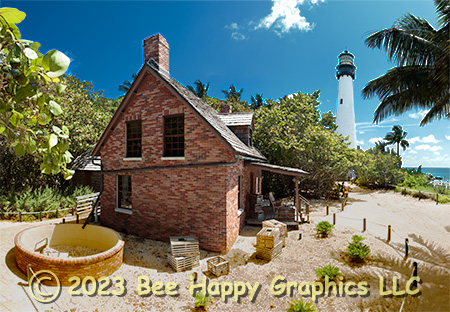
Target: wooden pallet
[[218, 266], [268, 237], [269, 253], [181, 246], [180, 264]]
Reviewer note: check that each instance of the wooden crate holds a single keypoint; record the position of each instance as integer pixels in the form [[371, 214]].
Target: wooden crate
[[218, 266], [276, 224], [269, 253], [181, 246], [268, 237], [180, 264]]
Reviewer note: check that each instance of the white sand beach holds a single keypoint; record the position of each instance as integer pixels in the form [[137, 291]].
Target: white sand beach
[[425, 224]]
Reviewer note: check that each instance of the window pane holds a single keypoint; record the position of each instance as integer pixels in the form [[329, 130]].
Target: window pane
[[134, 139], [174, 135]]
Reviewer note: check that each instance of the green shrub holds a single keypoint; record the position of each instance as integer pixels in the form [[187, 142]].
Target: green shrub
[[323, 229], [330, 270], [357, 250], [301, 306], [41, 199], [202, 301]]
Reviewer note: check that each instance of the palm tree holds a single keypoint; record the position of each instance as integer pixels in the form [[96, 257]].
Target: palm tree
[[421, 78], [397, 136], [380, 146], [200, 89], [232, 94], [257, 101], [126, 85]]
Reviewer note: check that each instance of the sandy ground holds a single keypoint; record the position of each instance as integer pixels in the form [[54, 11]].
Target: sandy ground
[[424, 223]]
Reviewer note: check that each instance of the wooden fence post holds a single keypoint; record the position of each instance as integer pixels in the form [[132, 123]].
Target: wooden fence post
[[20, 216], [406, 248], [1, 213], [328, 210], [40, 216], [56, 213], [415, 274], [364, 225], [64, 220], [78, 218], [437, 199], [334, 218], [389, 233], [299, 236], [342, 205], [419, 195]]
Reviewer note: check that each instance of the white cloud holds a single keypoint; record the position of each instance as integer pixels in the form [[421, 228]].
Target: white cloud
[[412, 151], [236, 34], [436, 148], [418, 115], [359, 142], [414, 140], [374, 140], [286, 15], [447, 137], [423, 147], [430, 139]]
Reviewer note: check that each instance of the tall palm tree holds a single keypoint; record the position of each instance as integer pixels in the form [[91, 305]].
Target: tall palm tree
[[126, 85], [421, 78], [232, 94], [397, 136], [200, 90], [257, 101]]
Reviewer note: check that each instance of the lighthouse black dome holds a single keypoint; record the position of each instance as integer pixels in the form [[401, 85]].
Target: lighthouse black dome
[[345, 66]]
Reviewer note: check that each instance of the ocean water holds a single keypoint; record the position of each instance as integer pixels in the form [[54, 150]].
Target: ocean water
[[443, 172]]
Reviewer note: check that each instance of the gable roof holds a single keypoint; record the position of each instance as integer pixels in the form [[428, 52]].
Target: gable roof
[[237, 119], [203, 110]]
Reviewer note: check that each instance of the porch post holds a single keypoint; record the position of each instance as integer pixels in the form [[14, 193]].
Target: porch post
[[297, 202]]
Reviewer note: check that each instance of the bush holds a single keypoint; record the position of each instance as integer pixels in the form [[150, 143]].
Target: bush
[[323, 229], [357, 250], [330, 270], [301, 306], [202, 301], [41, 199]]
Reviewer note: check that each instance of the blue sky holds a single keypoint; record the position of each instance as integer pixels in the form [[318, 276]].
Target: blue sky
[[270, 47]]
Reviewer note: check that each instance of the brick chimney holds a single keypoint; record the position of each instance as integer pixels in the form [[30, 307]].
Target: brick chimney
[[157, 48], [225, 109]]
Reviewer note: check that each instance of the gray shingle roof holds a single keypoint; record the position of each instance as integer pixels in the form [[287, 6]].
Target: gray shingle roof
[[211, 116], [237, 119], [84, 162]]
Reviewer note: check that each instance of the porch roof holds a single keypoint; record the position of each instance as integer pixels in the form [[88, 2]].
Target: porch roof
[[279, 169]]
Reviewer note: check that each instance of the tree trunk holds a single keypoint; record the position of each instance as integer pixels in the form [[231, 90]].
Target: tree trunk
[[398, 148]]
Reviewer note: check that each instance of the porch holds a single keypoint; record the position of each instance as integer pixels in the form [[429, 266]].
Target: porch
[[261, 208]]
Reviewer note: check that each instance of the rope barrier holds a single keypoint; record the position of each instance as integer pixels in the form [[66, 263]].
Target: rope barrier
[[404, 299], [42, 285]]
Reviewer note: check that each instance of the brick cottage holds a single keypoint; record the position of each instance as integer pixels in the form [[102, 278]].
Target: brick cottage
[[172, 165]]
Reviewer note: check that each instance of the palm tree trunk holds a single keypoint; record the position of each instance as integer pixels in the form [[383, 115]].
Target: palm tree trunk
[[398, 148]]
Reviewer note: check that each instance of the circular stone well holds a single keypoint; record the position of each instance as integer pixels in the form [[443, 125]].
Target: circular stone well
[[68, 250]]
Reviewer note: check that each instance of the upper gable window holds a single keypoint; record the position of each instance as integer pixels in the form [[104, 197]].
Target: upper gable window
[[134, 139], [174, 136]]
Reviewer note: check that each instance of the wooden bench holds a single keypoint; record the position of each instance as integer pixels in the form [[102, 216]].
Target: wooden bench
[[85, 203]]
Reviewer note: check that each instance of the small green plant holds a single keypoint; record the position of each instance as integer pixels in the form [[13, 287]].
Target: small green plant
[[330, 270], [357, 250], [202, 301], [323, 229], [301, 306]]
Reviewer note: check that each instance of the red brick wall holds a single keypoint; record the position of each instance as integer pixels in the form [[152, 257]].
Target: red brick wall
[[171, 201]]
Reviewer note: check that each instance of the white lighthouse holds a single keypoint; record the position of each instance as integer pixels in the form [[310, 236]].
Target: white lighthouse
[[345, 113]]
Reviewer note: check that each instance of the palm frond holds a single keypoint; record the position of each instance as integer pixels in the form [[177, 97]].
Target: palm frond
[[407, 43]]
